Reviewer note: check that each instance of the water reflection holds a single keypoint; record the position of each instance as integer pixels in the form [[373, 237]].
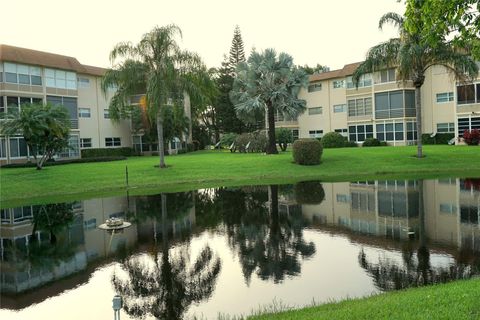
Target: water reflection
[[165, 286], [402, 233]]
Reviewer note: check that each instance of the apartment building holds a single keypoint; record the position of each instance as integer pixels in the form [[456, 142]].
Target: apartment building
[[30, 76], [384, 108]]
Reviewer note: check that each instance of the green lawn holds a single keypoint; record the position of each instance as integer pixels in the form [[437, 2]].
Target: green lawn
[[217, 168], [456, 300]]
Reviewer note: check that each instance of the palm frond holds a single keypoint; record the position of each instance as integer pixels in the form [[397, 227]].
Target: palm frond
[[391, 18]]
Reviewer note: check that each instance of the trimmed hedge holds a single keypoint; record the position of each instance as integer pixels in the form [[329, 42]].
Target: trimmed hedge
[[333, 140], [61, 162], [108, 152], [439, 138], [307, 151], [372, 142]]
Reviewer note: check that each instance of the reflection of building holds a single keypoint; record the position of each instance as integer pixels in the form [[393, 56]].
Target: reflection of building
[[27, 264], [391, 209]]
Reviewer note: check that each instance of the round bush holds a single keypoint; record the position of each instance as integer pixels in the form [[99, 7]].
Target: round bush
[[371, 142], [307, 151], [309, 192], [333, 140]]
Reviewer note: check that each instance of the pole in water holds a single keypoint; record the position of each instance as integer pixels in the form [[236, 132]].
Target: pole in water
[[126, 174]]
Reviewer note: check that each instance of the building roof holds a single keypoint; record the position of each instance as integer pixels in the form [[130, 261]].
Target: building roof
[[347, 70], [46, 59]]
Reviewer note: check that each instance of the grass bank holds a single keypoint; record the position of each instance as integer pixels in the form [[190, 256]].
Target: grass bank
[[456, 300], [218, 168]]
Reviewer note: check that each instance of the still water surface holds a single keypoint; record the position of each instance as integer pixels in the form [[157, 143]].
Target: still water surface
[[233, 250]]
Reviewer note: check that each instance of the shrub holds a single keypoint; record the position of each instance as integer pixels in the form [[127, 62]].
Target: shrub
[[257, 140], [181, 151], [108, 152], [309, 192], [439, 138], [371, 142], [283, 136], [352, 144], [472, 137], [227, 139], [333, 140], [61, 162], [307, 151]]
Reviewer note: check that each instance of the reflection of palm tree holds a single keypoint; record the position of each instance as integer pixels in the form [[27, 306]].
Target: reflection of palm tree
[[52, 218], [170, 286], [389, 275], [272, 244]]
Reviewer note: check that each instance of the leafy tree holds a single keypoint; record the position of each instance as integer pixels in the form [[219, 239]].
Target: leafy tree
[[45, 129], [412, 54], [271, 83], [176, 123], [237, 52], [315, 70], [284, 137], [458, 20], [158, 67]]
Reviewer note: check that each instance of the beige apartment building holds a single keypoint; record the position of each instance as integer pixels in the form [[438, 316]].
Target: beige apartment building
[[384, 108], [31, 76]]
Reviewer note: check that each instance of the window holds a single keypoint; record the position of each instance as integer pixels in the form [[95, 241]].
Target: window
[[11, 72], [342, 198], [364, 81], [387, 75], [18, 147], [316, 110], [83, 82], [360, 132], [395, 104], [315, 87], [343, 132], [85, 142], [359, 107], [70, 104], [84, 112], [411, 130], [295, 134], [469, 93], [1, 72], [61, 79], [73, 150], [445, 127], [468, 123], [315, 133], [390, 131], [106, 114], [113, 142], [448, 208], [338, 84], [337, 108], [2, 105], [444, 97], [3, 147]]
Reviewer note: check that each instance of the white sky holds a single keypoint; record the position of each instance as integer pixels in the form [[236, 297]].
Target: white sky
[[329, 32]]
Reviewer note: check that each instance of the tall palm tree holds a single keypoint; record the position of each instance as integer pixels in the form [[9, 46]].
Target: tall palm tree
[[271, 83], [158, 67], [412, 55]]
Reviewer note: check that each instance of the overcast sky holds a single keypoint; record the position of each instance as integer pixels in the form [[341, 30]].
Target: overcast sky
[[329, 32]]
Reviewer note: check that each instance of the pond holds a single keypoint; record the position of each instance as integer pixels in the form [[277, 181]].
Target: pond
[[234, 250]]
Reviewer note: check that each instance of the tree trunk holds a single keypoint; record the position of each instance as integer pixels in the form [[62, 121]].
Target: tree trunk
[[161, 146], [271, 146], [418, 110]]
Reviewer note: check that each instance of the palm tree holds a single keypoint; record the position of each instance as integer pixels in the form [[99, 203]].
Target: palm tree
[[45, 129], [412, 55], [270, 83], [158, 67]]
